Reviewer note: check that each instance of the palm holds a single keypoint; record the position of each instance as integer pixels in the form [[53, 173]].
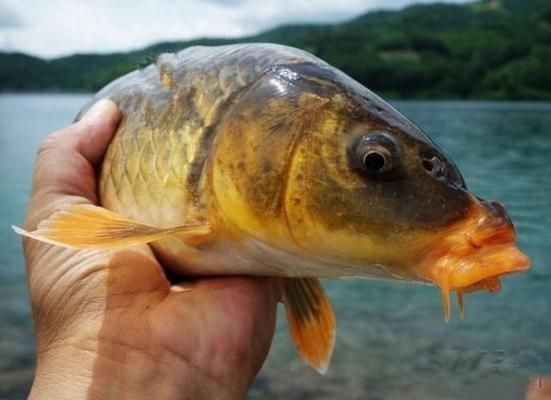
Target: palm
[[214, 326]]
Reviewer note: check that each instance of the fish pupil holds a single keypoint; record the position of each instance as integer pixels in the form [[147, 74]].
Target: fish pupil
[[374, 161]]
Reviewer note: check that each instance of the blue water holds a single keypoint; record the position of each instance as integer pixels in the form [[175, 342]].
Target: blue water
[[392, 342]]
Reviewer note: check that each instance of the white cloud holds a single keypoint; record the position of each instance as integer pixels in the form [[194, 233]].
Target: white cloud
[[61, 27]]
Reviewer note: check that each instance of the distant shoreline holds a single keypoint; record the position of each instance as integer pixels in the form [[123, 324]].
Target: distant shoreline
[[484, 50]]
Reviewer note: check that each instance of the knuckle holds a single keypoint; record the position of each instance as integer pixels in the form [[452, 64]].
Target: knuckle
[[49, 143]]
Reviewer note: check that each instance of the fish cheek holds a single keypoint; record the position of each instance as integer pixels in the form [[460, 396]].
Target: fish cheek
[[326, 205], [330, 220]]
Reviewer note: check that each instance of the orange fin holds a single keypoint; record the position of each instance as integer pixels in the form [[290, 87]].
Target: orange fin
[[86, 226], [311, 321]]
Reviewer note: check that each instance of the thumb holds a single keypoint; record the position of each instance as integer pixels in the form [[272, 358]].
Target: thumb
[[97, 127], [92, 133], [66, 159]]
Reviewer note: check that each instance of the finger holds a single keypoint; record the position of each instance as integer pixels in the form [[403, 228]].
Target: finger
[[247, 310], [241, 310]]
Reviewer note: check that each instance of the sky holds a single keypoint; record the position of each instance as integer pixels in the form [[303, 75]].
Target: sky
[[53, 28]]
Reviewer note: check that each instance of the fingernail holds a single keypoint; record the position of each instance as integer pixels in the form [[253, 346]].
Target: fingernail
[[100, 109]]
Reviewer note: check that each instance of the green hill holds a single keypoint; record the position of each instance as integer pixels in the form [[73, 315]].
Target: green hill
[[497, 49]]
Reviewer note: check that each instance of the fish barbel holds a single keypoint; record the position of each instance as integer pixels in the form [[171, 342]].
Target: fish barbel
[[261, 159]]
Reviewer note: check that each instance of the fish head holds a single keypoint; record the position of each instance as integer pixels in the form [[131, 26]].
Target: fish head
[[327, 167]]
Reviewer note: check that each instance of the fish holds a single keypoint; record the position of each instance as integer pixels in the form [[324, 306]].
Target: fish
[[264, 160]]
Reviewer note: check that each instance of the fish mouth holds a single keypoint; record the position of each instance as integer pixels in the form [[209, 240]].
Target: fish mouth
[[474, 254]]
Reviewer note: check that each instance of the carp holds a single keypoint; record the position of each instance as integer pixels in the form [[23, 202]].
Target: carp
[[261, 159]]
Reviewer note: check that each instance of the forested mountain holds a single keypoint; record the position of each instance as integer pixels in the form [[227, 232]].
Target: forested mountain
[[497, 49]]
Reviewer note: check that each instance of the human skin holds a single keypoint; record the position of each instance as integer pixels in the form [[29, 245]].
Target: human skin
[[109, 324], [539, 389]]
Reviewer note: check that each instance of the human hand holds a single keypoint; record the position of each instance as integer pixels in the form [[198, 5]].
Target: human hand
[[109, 324]]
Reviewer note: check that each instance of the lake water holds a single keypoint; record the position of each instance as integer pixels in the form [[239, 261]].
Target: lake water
[[392, 342]]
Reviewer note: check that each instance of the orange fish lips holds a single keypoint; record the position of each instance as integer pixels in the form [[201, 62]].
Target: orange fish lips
[[473, 255]]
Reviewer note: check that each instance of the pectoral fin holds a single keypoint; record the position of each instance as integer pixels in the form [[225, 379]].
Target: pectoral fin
[[87, 226], [311, 321]]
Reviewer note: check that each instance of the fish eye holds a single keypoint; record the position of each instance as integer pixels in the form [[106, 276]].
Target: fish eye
[[374, 154], [376, 160]]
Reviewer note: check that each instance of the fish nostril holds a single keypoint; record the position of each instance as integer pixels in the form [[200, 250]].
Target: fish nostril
[[433, 166]]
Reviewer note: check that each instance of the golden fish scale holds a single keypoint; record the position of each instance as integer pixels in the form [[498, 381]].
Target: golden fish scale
[[154, 168]]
